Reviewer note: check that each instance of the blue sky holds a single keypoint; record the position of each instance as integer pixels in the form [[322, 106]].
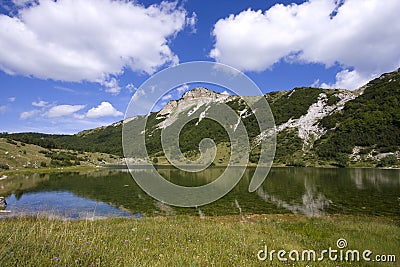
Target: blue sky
[[71, 65]]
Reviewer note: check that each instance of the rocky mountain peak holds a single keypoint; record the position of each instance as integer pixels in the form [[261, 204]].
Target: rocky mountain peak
[[200, 92], [197, 96]]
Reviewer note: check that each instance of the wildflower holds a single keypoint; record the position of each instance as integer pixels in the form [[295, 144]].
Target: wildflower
[[76, 261], [147, 238], [126, 241], [55, 259]]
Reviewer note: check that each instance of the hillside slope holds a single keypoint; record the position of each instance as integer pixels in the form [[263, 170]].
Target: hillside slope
[[17, 155]]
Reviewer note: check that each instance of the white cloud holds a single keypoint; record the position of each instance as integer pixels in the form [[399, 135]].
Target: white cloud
[[346, 79], [11, 99], [41, 103], [166, 97], [140, 92], [77, 40], [316, 83], [225, 93], [131, 87], [28, 114], [182, 88], [63, 110], [105, 109], [23, 2], [361, 36], [3, 109], [112, 86], [191, 22]]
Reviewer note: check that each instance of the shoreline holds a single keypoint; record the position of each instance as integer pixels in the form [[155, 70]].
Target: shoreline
[[50, 170], [161, 166]]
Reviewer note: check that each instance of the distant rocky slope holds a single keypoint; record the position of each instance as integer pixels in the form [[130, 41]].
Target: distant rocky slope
[[314, 126]]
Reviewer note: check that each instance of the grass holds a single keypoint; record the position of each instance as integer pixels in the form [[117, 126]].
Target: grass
[[50, 170], [188, 241], [19, 157]]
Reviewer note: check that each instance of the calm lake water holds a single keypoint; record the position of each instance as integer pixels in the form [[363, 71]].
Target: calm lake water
[[111, 193]]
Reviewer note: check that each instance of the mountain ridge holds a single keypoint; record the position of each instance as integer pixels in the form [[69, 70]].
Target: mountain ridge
[[315, 127]]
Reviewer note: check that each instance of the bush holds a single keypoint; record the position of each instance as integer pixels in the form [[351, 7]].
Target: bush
[[60, 163], [332, 100], [43, 164], [390, 160], [4, 166], [296, 163], [365, 151], [10, 141], [342, 160]]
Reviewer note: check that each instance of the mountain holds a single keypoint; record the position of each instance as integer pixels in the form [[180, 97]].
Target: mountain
[[314, 127]]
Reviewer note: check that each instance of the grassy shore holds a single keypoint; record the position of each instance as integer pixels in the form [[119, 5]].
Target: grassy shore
[[50, 170], [189, 241]]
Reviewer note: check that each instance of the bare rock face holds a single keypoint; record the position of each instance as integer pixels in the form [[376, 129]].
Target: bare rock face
[[200, 92], [3, 203], [169, 107], [196, 97]]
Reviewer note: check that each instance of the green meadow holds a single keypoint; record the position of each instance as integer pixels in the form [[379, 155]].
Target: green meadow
[[190, 241]]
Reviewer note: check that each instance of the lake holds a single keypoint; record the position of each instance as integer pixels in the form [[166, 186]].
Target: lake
[[113, 193]]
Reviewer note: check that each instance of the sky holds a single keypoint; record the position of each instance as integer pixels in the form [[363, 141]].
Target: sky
[[71, 65]]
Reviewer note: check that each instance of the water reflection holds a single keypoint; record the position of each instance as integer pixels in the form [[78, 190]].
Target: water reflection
[[313, 202], [309, 191]]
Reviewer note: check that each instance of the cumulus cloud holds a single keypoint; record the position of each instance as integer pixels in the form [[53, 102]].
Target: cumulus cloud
[[112, 86], [88, 40], [346, 79], [361, 36], [28, 114], [63, 110], [40, 103], [105, 109], [12, 99]]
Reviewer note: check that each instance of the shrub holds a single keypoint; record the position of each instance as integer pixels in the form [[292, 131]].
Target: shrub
[[342, 160], [10, 141], [390, 160], [296, 163], [4, 166]]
